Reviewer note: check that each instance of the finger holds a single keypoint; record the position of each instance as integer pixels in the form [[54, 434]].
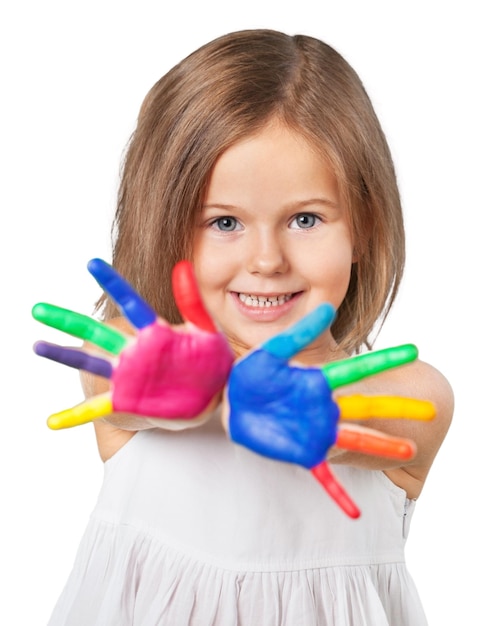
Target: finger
[[292, 340], [88, 411], [73, 357], [368, 441], [367, 407], [335, 490], [188, 298], [80, 326], [340, 373], [134, 308]]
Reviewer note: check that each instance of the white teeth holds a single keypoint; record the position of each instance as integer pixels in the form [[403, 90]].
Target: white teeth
[[263, 301]]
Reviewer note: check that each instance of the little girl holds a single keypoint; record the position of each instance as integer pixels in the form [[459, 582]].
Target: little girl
[[259, 159]]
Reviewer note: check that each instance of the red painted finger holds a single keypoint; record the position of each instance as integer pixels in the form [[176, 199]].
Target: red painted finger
[[335, 490], [188, 298]]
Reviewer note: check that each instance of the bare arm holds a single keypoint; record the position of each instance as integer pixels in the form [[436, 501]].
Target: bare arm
[[285, 411], [417, 380]]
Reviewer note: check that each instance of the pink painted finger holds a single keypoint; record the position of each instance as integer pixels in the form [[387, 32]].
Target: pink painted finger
[[335, 490], [188, 298]]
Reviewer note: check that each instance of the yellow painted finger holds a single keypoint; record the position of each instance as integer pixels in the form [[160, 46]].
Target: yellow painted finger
[[365, 407], [83, 413]]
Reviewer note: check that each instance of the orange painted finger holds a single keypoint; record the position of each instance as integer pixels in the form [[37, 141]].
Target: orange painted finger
[[368, 441]]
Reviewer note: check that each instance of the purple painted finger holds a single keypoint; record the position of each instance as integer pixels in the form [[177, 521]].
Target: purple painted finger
[[74, 357]]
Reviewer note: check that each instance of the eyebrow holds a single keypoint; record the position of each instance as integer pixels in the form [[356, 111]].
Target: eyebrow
[[299, 204]]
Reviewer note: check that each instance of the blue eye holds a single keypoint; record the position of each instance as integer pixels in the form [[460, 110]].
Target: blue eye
[[304, 220], [227, 224]]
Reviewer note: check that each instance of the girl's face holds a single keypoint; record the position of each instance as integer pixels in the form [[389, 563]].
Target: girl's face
[[273, 239]]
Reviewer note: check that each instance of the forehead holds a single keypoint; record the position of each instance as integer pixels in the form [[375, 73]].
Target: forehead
[[277, 158]]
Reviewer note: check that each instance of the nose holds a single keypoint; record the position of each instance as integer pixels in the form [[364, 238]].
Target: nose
[[267, 255]]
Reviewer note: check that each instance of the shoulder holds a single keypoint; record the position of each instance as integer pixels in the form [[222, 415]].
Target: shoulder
[[415, 380], [418, 380], [423, 381]]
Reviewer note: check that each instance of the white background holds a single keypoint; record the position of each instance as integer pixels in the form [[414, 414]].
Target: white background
[[73, 76]]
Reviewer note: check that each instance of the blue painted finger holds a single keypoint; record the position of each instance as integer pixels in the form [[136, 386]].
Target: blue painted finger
[[135, 309], [294, 339]]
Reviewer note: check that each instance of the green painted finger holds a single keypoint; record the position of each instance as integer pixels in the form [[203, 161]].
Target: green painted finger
[[80, 326], [348, 371]]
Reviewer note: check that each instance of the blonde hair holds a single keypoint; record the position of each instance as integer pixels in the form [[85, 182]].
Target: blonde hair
[[221, 93]]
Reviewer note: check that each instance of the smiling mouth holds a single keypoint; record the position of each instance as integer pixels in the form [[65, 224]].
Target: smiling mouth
[[252, 300]]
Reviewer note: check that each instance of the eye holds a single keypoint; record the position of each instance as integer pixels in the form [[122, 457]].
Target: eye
[[304, 220], [227, 224]]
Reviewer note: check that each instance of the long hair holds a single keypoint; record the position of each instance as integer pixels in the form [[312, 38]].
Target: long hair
[[223, 92]]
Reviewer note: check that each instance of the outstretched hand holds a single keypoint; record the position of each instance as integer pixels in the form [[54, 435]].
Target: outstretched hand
[[288, 413], [161, 372], [276, 409]]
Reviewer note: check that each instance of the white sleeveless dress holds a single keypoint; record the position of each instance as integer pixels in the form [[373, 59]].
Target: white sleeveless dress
[[193, 530]]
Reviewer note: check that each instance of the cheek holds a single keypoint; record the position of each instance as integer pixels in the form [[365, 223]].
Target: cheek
[[334, 271], [343, 277], [209, 272], [339, 262], [202, 262]]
